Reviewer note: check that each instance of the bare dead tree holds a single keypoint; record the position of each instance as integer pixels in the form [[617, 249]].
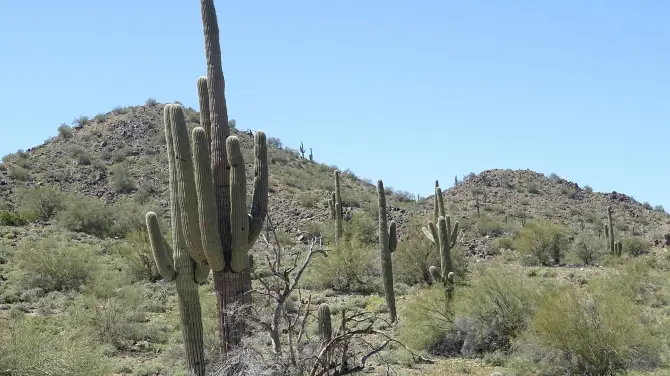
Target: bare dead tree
[[284, 319]]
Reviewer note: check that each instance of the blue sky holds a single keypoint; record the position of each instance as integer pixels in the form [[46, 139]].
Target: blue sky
[[406, 91]]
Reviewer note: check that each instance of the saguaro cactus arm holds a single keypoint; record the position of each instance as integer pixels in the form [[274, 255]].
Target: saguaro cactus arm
[[161, 250], [208, 217], [185, 180], [259, 201], [393, 237]]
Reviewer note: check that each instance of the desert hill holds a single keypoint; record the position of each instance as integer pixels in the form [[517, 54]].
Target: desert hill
[[79, 289], [120, 156]]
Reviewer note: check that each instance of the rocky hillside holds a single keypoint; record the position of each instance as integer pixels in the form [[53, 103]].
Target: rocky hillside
[[120, 155]]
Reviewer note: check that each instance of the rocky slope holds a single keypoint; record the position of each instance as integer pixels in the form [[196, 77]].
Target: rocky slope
[[120, 154]]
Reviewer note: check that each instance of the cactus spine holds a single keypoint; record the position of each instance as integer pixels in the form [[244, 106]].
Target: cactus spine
[[336, 209], [610, 238], [388, 242], [176, 263]]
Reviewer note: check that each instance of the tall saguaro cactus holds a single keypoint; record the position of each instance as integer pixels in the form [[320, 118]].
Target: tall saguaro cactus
[[175, 263], [218, 229], [388, 242], [336, 209]]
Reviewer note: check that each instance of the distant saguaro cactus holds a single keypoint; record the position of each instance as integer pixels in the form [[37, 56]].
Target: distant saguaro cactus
[[610, 235], [336, 208], [445, 238], [388, 242]]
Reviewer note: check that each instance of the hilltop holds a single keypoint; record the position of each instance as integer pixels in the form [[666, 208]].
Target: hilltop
[[119, 156]]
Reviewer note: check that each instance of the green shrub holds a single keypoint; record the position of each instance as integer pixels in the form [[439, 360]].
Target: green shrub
[[542, 242], [17, 172], [635, 246], [31, 346], [121, 181], [592, 333], [41, 203], [588, 248], [426, 322], [79, 154], [64, 131], [347, 268], [505, 242], [414, 256], [54, 264], [136, 252], [10, 218], [88, 215], [487, 225], [119, 320], [498, 305]]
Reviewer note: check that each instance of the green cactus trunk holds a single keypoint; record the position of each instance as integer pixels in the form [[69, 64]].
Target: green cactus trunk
[[325, 324], [388, 242], [227, 230], [611, 229], [175, 263], [336, 208]]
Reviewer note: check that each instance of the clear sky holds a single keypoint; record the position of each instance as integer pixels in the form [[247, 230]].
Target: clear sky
[[406, 91]]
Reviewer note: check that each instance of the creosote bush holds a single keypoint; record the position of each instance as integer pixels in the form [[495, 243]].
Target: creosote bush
[[542, 243], [54, 264], [595, 332], [41, 203], [35, 346]]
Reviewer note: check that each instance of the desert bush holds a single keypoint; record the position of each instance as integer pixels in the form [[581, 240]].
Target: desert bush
[[498, 305], [487, 225], [599, 332], [137, 253], [88, 215], [350, 266], [542, 242], [505, 242], [11, 218], [119, 320], [32, 346], [347, 268], [640, 282], [426, 322], [41, 203], [17, 172], [532, 188], [635, 246], [54, 264], [80, 155], [81, 121], [121, 181], [361, 230], [414, 256], [588, 248], [64, 131]]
